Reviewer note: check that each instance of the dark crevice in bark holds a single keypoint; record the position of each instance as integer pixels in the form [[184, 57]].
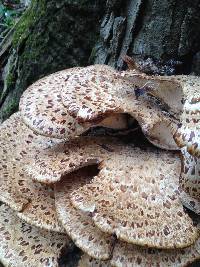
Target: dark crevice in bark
[[165, 33]]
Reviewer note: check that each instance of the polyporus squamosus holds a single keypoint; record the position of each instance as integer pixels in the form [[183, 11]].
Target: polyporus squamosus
[[42, 109], [93, 96], [78, 224], [128, 214], [135, 196], [32, 201], [187, 138], [23, 245], [49, 165], [127, 255]]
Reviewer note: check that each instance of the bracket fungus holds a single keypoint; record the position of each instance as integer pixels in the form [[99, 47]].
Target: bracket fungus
[[127, 255], [127, 211], [32, 201], [49, 165], [25, 245], [42, 110], [79, 225], [93, 96], [173, 91], [187, 138], [135, 196]]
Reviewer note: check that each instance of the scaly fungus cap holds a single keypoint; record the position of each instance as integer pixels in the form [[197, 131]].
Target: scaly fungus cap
[[49, 165], [24, 245], [188, 133], [93, 95], [136, 197], [188, 138], [79, 225], [33, 201], [190, 181], [174, 91], [168, 89], [127, 255], [42, 109], [87, 261]]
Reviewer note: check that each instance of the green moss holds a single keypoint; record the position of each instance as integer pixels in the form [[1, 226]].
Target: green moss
[[10, 79], [11, 107], [28, 20]]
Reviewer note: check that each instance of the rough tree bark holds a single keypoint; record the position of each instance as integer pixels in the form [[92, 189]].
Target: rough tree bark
[[160, 32], [162, 36]]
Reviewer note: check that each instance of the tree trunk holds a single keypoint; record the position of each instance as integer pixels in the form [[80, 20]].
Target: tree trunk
[[163, 37], [163, 34]]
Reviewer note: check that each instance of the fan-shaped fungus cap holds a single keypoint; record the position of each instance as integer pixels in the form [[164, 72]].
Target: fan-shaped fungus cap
[[24, 245], [33, 201], [190, 181], [127, 255], [174, 91], [168, 89], [43, 111], [188, 138], [49, 165], [136, 197], [78, 225], [91, 96]]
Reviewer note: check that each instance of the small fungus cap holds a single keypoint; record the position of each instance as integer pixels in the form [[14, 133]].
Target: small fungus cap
[[168, 89], [42, 109], [171, 90], [188, 133]]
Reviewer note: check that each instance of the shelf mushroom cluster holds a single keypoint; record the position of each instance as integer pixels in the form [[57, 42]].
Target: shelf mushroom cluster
[[120, 202]]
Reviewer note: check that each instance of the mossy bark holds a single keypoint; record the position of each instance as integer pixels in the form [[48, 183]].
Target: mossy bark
[[51, 35]]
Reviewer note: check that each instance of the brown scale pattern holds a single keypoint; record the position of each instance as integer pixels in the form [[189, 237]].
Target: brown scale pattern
[[189, 132], [23, 245], [92, 94], [171, 90], [136, 197], [87, 261], [42, 109], [190, 181], [33, 201], [49, 165], [127, 255], [78, 225], [187, 137]]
